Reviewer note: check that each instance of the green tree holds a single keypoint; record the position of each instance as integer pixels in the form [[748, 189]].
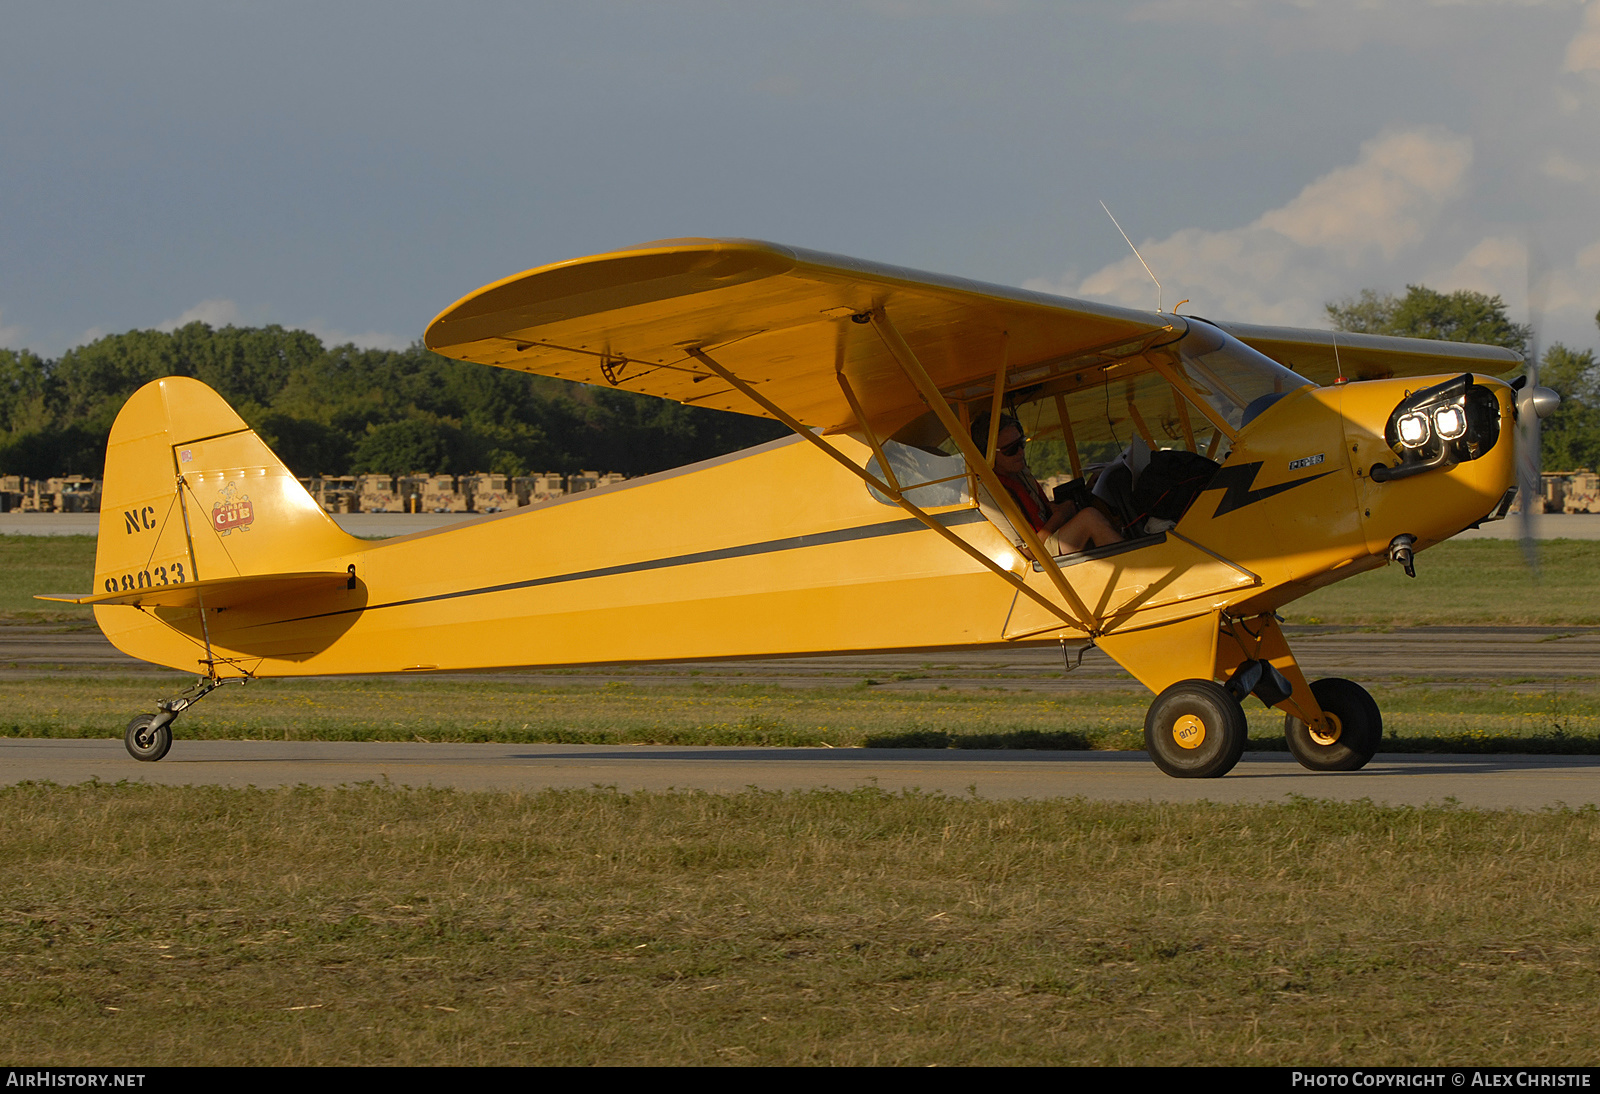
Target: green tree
[[333, 410], [23, 376], [1461, 316], [413, 444], [1570, 438]]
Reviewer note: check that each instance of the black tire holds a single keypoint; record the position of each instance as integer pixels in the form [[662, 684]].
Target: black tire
[[1195, 730], [1359, 728], [145, 743]]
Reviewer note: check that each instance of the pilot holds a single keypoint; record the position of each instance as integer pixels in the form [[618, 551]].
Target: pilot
[[1063, 527]]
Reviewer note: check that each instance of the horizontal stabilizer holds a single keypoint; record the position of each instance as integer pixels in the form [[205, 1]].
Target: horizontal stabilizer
[[215, 593]]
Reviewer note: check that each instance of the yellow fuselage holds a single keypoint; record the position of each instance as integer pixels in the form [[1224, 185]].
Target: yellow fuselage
[[771, 552]]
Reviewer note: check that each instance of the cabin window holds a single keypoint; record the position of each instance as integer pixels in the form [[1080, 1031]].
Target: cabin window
[[1079, 420], [942, 478], [1237, 381], [1112, 415]]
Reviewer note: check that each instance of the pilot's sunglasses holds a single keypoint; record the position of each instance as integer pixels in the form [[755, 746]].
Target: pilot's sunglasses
[[1014, 447]]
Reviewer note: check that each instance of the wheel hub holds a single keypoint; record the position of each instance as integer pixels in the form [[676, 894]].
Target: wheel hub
[[1189, 731], [1328, 732]]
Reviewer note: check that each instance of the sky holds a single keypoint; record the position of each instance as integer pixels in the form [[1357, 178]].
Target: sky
[[353, 168]]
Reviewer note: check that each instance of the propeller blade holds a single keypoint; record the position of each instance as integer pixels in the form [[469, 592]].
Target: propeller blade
[[1529, 483], [1530, 486]]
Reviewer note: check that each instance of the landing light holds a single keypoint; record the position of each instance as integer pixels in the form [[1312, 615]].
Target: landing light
[[1449, 420], [1413, 430], [1440, 426]]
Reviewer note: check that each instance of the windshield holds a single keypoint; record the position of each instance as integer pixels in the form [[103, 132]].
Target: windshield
[[1237, 381]]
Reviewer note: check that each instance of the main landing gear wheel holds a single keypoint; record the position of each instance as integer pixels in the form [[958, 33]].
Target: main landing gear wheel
[[146, 740], [1351, 736], [1195, 730]]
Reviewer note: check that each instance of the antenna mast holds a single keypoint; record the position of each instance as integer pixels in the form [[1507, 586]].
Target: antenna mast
[[1139, 256]]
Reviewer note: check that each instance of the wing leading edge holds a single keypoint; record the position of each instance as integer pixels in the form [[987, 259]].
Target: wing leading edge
[[1321, 356], [784, 320]]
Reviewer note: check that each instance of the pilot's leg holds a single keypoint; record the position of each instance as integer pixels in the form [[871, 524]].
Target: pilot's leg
[[1088, 526]]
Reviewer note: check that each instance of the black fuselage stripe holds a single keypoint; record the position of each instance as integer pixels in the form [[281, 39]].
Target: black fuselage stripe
[[767, 547]]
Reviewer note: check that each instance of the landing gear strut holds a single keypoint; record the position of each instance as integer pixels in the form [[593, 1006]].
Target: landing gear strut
[[150, 735]]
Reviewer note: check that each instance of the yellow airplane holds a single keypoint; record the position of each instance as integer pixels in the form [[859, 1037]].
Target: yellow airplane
[[1245, 466]]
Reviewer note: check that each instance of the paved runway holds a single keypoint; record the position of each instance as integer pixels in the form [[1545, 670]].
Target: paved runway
[[1485, 782], [1451, 655], [1522, 656]]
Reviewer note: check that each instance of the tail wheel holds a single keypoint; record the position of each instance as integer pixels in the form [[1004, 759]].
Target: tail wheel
[[1195, 730], [145, 741], [1351, 737]]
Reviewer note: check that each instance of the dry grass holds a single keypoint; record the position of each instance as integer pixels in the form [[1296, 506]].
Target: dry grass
[[1489, 717], [151, 925]]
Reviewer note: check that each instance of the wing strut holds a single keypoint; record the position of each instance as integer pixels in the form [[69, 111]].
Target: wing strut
[[901, 352], [998, 402], [892, 491]]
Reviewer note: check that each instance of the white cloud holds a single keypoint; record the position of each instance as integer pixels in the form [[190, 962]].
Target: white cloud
[[1399, 215], [1573, 293], [216, 313], [1380, 201], [1396, 216], [1583, 52], [1558, 165], [1493, 266], [1282, 268]]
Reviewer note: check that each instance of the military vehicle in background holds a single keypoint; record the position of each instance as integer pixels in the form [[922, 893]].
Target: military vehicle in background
[[337, 493], [1571, 491], [377, 494], [532, 489], [476, 492], [68, 494], [591, 480], [11, 487], [439, 495], [488, 493], [1583, 493]]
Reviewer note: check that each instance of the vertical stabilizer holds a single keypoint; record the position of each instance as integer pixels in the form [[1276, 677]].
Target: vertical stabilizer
[[191, 493]]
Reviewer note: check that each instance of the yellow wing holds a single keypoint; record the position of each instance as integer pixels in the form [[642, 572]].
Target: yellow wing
[[780, 318], [1311, 353], [785, 320]]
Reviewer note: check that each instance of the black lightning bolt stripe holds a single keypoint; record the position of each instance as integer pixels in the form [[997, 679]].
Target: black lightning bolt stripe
[[1236, 482]]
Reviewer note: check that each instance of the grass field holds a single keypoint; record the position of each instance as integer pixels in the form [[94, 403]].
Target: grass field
[[1473, 582], [146, 925], [44, 564], [1467, 583], [1417, 718], [151, 925]]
